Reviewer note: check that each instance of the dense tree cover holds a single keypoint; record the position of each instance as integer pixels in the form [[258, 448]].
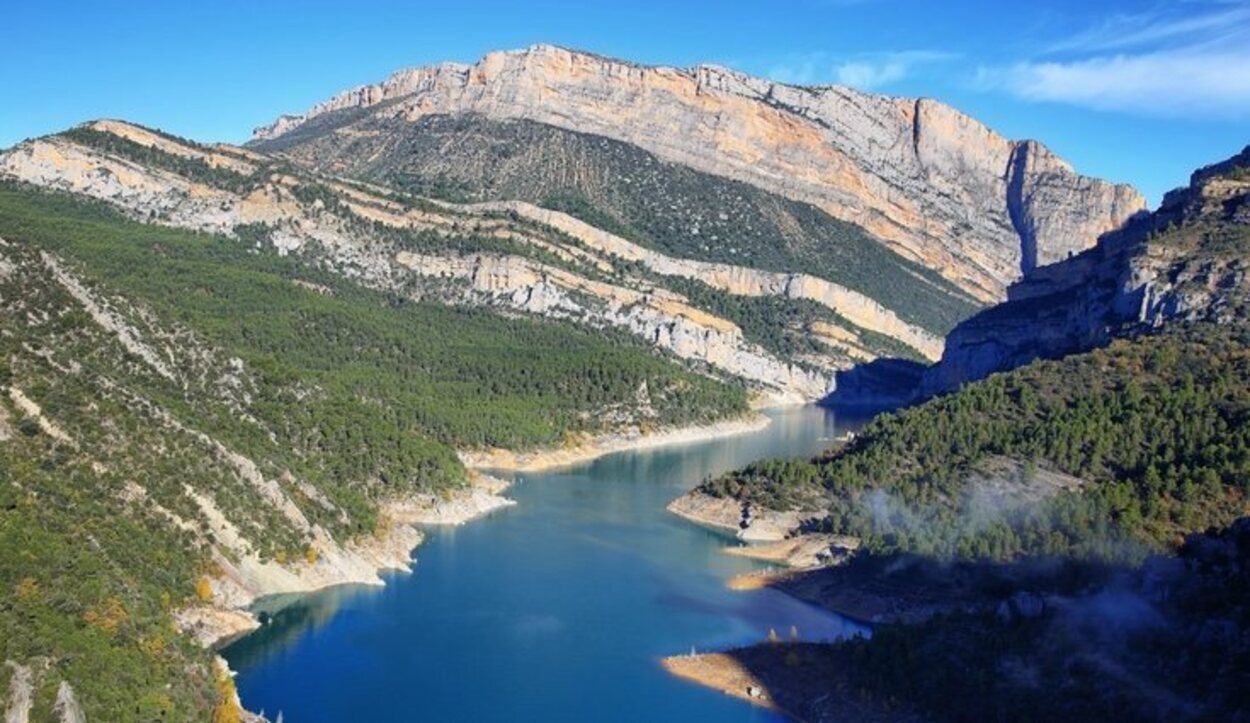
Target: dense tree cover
[[89, 570], [89, 588], [342, 395], [625, 190], [424, 366], [1156, 425], [1165, 643]]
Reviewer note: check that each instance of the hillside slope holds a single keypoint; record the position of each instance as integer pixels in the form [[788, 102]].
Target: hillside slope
[[786, 333], [934, 185], [188, 422], [1105, 454], [1138, 442], [621, 188]]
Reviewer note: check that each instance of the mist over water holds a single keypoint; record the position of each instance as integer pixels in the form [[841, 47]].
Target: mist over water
[[557, 609]]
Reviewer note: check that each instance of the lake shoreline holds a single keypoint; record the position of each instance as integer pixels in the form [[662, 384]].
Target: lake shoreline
[[459, 568], [218, 623], [720, 671], [542, 460], [789, 678]]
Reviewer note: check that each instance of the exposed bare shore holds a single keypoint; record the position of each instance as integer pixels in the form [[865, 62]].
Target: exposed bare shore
[[482, 498], [598, 446], [760, 579], [722, 672], [800, 551], [803, 681], [240, 583], [747, 522]]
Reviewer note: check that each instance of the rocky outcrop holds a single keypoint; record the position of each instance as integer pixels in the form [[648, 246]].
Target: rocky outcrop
[[936, 185], [663, 318], [29, 680], [738, 280], [32, 410], [484, 496], [747, 522], [66, 707], [1184, 262], [21, 693]]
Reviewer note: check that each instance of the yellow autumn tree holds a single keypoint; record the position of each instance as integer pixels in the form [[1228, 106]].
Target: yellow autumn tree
[[204, 589], [228, 709]]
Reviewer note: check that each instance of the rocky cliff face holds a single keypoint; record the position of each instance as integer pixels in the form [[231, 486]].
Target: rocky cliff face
[[1185, 262], [935, 185]]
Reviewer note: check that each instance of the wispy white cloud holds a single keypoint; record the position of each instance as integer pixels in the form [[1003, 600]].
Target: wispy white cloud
[[866, 72], [1170, 23], [1175, 84], [1162, 63], [867, 75]]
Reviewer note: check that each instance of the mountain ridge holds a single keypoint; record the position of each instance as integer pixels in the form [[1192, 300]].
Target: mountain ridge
[[514, 255], [933, 184]]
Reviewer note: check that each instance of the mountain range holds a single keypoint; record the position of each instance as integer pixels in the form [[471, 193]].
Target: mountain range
[[255, 365], [931, 184]]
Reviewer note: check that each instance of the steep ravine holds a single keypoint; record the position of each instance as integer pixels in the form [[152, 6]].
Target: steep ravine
[[1179, 264]]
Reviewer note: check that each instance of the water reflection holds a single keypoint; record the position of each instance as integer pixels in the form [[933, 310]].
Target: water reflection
[[285, 618]]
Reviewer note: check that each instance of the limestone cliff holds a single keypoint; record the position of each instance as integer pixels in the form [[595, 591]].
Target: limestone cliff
[[934, 184], [1185, 262]]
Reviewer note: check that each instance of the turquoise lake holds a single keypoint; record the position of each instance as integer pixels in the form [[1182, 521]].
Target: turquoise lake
[[557, 609]]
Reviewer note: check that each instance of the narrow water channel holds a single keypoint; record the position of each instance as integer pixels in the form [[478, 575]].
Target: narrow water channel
[[557, 609]]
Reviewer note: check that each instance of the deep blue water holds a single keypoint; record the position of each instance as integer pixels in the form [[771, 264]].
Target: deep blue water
[[557, 609]]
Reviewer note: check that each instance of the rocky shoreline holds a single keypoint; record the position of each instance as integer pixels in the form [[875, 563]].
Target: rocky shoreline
[[801, 551], [227, 617], [598, 446], [787, 678], [747, 522]]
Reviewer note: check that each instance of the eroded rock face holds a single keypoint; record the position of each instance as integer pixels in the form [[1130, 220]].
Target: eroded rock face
[[1184, 262], [936, 185], [737, 280], [665, 320]]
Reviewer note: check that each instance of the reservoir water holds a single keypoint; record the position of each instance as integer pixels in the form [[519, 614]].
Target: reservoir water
[[557, 609]]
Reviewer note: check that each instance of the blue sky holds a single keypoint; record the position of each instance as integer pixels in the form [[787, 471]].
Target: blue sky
[[1140, 92]]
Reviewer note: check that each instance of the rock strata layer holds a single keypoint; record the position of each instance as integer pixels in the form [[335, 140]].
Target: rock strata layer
[[936, 185]]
